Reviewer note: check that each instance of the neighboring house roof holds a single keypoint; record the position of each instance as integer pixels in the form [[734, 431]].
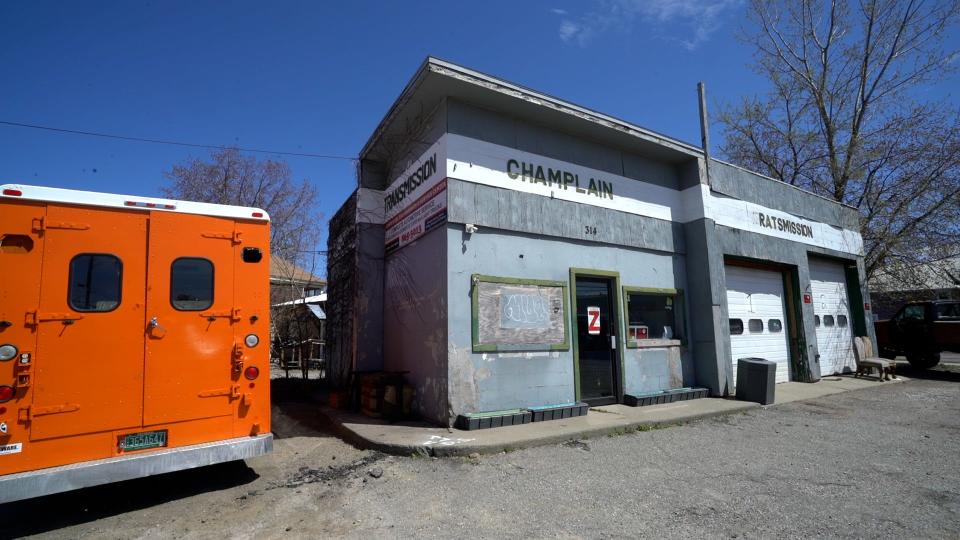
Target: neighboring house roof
[[936, 275], [317, 311], [316, 299], [284, 271]]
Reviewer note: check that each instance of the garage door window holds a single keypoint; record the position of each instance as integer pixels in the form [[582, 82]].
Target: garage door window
[[775, 325], [841, 321], [756, 326], [652, 314], [816, 321], [736, 327], [828, 320]]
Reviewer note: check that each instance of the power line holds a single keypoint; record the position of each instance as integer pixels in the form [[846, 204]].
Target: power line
[[174, 143]]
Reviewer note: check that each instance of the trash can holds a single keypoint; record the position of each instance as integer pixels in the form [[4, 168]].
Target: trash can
[[755, 380]]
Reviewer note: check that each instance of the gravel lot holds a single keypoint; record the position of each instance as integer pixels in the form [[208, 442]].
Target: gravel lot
[[873, 463]]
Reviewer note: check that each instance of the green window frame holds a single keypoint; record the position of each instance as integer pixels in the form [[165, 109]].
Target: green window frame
[[476, 279], [679, 323]]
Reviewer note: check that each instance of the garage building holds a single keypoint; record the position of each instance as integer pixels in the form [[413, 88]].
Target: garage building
[[506, 249]]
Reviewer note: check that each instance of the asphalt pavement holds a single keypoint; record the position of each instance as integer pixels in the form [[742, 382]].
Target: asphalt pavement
[[880, 462]]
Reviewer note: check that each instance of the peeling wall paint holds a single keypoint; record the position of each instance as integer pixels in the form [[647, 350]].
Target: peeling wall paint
[[414, 321], [495, 381]]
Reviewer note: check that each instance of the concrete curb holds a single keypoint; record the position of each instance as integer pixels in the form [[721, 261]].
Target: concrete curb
[[501, 440], [407, 439]]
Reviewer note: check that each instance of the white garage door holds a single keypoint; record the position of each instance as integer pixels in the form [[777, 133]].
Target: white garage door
[[831, 317], [757, 318]]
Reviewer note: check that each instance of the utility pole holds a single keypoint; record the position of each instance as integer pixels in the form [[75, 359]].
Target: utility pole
[[704, 128]]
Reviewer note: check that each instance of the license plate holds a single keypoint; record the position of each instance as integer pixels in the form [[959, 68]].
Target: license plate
[[141, 441]]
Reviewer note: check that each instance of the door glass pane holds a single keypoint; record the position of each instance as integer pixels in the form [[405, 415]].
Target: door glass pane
[[774, 325], [755, 325], [593, 344], [828, 320], [191, 284], [95, 281], [841, 320]]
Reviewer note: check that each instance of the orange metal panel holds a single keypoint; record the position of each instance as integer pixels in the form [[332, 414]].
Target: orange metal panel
[[96, 376], [88, 366], [189, 356]]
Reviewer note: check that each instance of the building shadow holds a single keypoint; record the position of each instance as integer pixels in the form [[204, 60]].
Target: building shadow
[[53, 512], [941, 372]]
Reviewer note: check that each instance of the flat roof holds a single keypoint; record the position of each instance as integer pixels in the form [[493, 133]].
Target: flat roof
[[437, 79]]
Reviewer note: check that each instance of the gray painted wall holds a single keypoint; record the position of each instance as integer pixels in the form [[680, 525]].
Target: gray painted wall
[[748, 186], [414, 321], [486, 125], [526, 212], [496, 381], [706, 301], [369, 299]]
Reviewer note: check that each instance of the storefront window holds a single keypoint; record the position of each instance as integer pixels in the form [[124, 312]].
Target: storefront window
[[651, 316]]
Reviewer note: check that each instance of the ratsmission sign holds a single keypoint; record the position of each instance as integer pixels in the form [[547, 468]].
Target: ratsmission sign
[[416, 202], [787, 225]]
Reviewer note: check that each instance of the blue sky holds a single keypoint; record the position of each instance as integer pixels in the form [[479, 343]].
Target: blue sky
[[317, 77]]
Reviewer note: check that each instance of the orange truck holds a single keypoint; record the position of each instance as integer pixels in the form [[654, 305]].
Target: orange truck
[[134, 337]]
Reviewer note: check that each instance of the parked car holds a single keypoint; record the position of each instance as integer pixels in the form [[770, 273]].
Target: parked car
[[921, 331]]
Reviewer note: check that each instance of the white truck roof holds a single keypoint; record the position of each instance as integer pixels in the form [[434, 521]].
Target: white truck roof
[[132, 202]]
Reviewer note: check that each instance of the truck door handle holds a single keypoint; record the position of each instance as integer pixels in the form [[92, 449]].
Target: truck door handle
[[155, 329]]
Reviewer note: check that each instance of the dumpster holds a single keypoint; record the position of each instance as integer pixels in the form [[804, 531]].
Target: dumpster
[[755, 380]]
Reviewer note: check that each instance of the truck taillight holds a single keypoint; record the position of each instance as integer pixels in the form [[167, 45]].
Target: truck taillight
[[251, 372], [12, 192], [6, 393]]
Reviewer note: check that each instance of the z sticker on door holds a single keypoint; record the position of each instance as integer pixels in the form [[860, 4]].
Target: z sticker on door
[[593, 320]]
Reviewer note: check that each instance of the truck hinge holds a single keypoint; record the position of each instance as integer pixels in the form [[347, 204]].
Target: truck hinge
[[233, 237], [40, 224], [32, 318], [233, 315], [238, 358]]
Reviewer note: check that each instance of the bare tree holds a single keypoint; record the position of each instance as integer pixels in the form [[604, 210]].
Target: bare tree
[[229, 177], [846, 117]]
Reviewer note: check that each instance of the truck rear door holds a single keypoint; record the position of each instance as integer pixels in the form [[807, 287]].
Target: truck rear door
[[88, 366], [190, 316]]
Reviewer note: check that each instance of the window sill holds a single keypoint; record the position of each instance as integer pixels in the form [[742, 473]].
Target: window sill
[[651, 343]]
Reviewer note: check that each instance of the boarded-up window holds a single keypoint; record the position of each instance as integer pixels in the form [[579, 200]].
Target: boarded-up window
[[519, 314]]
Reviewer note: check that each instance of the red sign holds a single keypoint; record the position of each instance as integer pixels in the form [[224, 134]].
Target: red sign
[[866, 306], [593, 320], [807, 299]]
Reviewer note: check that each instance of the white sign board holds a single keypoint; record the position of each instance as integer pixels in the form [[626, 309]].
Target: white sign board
[[416, 202], [500, 166]]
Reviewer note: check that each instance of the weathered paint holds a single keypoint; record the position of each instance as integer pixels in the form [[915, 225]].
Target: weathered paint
[[414, 321], [493, 381]]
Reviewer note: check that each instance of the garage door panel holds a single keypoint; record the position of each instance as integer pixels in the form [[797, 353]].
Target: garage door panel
[[758, 294], [828, 285]]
